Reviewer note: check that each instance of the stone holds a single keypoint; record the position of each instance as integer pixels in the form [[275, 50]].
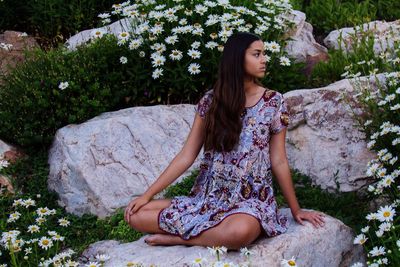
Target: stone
[[322, 141], [6, 186], [100, 165], [384, 34], [301, 45], [85, 36], [329, 246], [12, 47]]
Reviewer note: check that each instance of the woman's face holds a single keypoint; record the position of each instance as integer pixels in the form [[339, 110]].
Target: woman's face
[[255, 60]]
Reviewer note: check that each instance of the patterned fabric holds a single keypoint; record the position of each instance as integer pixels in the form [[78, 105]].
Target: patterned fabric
[[239, 181]]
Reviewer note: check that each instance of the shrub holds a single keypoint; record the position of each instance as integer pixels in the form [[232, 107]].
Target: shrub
[[52, 21], [56, 88]]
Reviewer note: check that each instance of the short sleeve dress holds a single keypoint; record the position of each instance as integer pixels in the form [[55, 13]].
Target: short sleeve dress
[[239, 181]]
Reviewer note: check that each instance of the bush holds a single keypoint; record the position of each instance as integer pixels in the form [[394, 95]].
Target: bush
[[51, 90], [52, 21]]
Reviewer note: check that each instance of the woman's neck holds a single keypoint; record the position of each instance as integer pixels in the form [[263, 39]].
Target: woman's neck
[[250, 87]]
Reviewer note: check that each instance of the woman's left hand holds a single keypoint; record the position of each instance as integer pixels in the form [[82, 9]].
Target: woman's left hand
[[316, 218]]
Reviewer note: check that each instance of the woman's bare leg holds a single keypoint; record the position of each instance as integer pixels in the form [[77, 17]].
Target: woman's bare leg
[[234, 232]]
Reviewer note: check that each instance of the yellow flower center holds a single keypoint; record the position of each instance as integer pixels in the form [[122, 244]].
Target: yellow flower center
[[386, 214], [292, 263], [198, 260], [45, 242]]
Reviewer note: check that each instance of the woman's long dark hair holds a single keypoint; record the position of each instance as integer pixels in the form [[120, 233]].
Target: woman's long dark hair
[[223, 121]]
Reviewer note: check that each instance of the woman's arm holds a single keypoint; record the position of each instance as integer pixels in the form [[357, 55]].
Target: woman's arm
[[182, 161], [280, 168]]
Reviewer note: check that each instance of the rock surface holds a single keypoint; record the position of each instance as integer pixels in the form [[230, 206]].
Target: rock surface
[[12, 46], [100, 165], [329, 246], [322, 141], [384, 34], [84, 36], [301, 44]]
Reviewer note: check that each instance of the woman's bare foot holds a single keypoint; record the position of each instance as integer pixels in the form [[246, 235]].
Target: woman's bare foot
[[163, 239]]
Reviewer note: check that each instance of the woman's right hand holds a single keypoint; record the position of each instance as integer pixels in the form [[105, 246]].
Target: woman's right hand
[[134, 206]]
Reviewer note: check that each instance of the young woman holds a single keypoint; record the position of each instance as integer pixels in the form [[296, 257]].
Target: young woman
[[242, 127]]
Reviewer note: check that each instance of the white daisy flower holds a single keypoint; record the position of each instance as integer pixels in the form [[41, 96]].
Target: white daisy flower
[[386, 213], [360, 239], [171, 39], [194, 53], [176, 55], [289, 263], [33, 228], [371, 216], [98, 33], [135, 43], [365, 229], [123, 36], [14, 216], [194, 68], [159, 48], [29, 202], [18, 202], [183, 22], [123, 60], [211, 45], [396, 141], [387, 181], [102, 257], [357, 264], [43, 211], [246, 252], [63, 222], [382, 102], [104, 15], [45, 243], [385, 226], [63, 85], [158, 60], [390, 98], [284, 61], [142, 54], [272, 46], [371, 144], [93, 264], [195, 45], [393, 160], [157, 73], [368, 122], [40, 220], [57, 237], [28, 251], [377, 251], [200, 9]]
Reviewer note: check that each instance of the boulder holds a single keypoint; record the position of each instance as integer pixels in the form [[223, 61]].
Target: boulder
[[12, 47], [329, 246], [84, 36], [384, 34], [100, 165], [323, 141], [301, 45]]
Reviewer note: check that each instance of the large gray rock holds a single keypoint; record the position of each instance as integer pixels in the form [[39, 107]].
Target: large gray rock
[[323, 141], [100, 165], [301, 44], [384, 34], [329, 246], [123, 25]]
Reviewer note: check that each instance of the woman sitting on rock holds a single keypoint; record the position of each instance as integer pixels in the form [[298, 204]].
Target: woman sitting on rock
[[242, 127]]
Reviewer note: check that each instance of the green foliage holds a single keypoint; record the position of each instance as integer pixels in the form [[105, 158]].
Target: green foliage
[[348, 207], [51, 21], [360, 58]]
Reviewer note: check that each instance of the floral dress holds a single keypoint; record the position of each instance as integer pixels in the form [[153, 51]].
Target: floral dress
[[239, 181]]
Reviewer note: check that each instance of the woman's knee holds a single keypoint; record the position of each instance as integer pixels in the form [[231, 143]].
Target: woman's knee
[[244, 231], [136, 221]]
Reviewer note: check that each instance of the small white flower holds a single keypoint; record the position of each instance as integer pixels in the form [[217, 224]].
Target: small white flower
[[386, 213], [102, 257], [45, 243], [289, 263], [385, 226], [393, 160], [171, 39], [158, 60], [157, 73], [33, 229], [395, 107], [389, 98], [63, 222], [284, 61], [63, 85], [365, 229], [98, 33], [135, 43], [272, 46], [92, 264], [123, 60], [371, 144], [43, 211], [357, 264], [360, 239], [14, 216], [123, 36], [368, 122], [176, 55], [195, 45], [29, 202], [194, 68], [211, 45], [104, 15], [377, 251], [193, 53], [382, 102], [246, 252], [142, 54]]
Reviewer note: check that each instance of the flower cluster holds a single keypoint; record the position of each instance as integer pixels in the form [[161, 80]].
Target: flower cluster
[[382, 127], [187, 34], [29, 239]]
